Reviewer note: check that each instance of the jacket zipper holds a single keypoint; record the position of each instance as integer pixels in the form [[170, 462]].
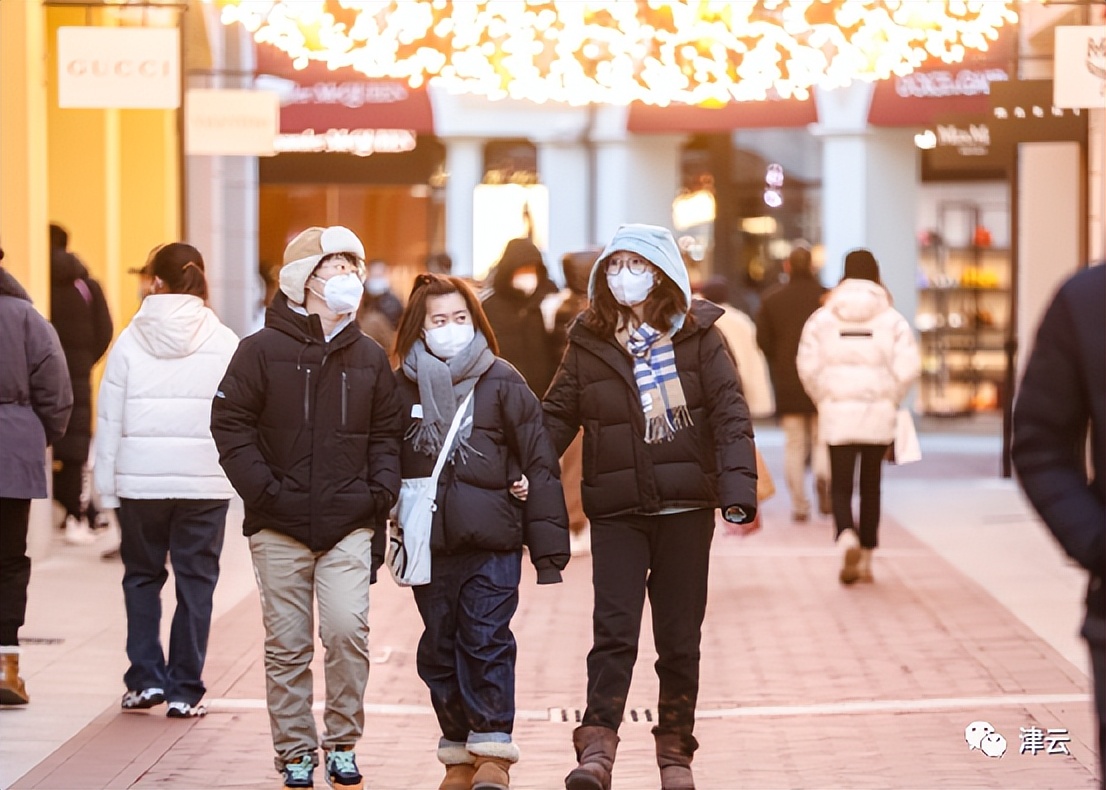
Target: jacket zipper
[[345, 396], [307, 398]]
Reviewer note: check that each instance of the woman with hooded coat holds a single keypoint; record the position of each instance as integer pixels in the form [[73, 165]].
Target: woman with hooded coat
[[667, 440], [499, 491], [857, 360], [157, 463]]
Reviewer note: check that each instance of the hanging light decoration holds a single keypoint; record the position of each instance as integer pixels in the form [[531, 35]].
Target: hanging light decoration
[[618, 51]]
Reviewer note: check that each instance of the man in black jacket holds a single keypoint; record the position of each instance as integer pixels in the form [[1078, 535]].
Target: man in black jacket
[[783, 313], [1062, 395], [79, 313], [307, 424]]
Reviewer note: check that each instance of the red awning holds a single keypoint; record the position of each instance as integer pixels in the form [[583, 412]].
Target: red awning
[[683, 118], [320, 98], [920, 98]]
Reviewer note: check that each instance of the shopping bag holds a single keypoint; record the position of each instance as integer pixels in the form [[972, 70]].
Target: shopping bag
[[907, 450], [408, 553]]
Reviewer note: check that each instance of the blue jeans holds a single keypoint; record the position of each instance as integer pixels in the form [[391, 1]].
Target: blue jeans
[[467, 652], [190, 532]]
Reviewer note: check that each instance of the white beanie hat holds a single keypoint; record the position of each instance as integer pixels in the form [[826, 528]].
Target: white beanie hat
[[304, 252]]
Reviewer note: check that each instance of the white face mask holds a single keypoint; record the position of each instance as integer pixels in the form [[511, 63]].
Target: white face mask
[[342, 293], [446, 341], [527, 282], [377, 285], [628, 288]]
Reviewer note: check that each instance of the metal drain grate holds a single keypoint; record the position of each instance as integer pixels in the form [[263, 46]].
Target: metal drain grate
[[576, 715], [41, 640]]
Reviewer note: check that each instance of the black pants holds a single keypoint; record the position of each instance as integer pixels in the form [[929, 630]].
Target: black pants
[[843, 475], [15, 567], [68, 479], [667, 557], [190, 532], [1094, 631]]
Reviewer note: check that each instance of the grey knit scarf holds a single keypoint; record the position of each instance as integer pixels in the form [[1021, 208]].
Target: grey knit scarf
[[443, 384]]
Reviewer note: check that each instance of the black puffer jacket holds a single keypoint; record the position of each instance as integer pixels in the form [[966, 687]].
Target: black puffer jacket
[[780, 321], [710, 464], [516, 318], [308, 431], [80, 315], [475, 507]]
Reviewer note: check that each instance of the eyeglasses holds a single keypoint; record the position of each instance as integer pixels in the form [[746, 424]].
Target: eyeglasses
[[635, 264], [341, 263]]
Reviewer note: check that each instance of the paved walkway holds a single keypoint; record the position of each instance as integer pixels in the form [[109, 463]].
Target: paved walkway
[[804, 683]]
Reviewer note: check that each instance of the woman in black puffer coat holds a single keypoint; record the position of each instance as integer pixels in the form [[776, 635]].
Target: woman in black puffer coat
[[466, 656], [667, 439]]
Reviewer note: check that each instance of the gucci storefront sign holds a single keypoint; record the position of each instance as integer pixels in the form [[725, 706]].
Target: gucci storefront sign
[[121, 68]]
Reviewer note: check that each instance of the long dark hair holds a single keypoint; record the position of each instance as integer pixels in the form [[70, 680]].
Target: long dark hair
[[181, 267], [427, 285], [665, 301]]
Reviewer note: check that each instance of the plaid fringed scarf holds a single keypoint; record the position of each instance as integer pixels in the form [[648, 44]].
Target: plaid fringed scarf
[[658, 382]]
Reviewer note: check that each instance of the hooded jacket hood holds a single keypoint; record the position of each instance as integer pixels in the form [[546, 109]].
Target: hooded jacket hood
[[9, 286], [651, 242], [171, 326], [857, 301]]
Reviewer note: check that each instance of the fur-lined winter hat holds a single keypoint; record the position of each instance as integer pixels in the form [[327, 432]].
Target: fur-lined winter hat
[[305, 252]]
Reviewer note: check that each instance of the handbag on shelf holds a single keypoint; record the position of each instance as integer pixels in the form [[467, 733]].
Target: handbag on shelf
[[906, 449], [408, 554]]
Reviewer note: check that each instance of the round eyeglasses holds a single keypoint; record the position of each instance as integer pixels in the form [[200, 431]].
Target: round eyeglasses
[[342, 263], [635, 264]]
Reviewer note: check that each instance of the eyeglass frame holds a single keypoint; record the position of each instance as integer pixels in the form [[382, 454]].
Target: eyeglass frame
[[615, 265]]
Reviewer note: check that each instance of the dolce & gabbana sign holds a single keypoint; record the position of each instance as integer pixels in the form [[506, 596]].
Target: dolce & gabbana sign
[[121, 68]]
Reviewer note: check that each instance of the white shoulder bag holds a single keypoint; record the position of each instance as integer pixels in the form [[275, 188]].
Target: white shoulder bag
[[408, 555]]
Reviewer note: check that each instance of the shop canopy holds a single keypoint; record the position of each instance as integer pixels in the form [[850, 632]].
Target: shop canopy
[[685, 119]]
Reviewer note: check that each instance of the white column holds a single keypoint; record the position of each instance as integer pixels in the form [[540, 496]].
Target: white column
[[637, 180], [563, 168], [464, 163]]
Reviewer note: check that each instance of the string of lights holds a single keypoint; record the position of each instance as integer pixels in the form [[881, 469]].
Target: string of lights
[[700, 52]]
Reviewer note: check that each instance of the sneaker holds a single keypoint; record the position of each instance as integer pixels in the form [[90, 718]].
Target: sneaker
[[301, 773], [77, 532], [851, 557], [341, 770], [141, 700], [182, 710]]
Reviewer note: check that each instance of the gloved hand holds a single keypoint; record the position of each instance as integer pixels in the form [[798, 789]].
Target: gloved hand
[[378, 548]]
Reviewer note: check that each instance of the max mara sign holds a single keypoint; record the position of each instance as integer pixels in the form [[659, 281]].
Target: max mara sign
[[119, 67]]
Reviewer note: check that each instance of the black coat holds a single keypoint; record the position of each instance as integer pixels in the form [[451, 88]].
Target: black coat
[[475, 507], [710, 464], [35, 396], [516, 319], [1063, 392], [308, 430], [80, 315], [783, 313]]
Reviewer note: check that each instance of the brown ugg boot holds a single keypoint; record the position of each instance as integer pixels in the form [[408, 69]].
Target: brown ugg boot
[[492, 773], [595, 748], [12, 690], [864, 566], [674, 753], [459, 765]]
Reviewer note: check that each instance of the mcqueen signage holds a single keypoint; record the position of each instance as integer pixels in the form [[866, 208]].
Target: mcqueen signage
[[119, 68], [347, 94]]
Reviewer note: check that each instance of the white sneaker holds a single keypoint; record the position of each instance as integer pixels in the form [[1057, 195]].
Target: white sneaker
[[77, 532], [110, 538]]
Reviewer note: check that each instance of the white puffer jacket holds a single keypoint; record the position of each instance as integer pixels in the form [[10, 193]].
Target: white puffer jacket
[[857, 360], [153, 434]]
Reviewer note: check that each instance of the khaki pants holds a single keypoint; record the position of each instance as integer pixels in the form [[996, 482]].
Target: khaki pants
[[801, 446], [290, 577]]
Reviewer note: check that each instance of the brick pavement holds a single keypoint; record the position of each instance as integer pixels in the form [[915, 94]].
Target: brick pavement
[[804, 684]]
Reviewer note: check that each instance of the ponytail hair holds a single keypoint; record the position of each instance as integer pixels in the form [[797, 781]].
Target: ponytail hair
[[181, 267]]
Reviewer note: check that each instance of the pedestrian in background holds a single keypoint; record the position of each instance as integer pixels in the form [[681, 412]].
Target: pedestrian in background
[[519, 285], [35, 402], [380, 308], [560, 311], [649, 379], [79, 313], [783, 313], [307, 425], [156, 463], [857, 360], [466, 656], [1061, 404]]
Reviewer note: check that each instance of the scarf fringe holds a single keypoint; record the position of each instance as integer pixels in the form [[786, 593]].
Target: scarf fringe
[[681, 418], [663, 429], [426, 438]]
